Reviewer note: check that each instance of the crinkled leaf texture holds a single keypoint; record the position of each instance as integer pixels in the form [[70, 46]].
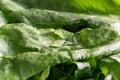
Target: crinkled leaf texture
[[59, 39], [23, 45]]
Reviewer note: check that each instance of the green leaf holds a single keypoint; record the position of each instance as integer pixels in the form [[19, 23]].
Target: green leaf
[[38, 49], [47, 35], [83, 71], [69, 21], [112, 68], [97, 6], [104, 35], [21, 42], [86, 6], [41, 76]]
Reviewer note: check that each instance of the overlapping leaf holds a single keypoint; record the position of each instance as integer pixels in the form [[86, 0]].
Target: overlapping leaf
[[36, 40]]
